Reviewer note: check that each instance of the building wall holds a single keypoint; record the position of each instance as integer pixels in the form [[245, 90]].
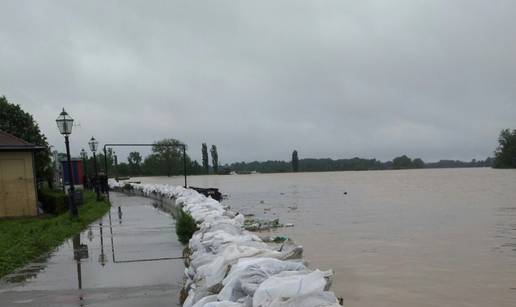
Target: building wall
[[17, 184]]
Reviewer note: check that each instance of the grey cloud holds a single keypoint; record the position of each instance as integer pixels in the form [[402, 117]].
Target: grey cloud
[[433, 79]]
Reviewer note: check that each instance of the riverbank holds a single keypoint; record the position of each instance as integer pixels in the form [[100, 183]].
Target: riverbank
[[23, 239], [234, 267]]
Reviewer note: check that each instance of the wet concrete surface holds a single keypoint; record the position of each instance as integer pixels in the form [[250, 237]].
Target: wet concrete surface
[[126, 259]]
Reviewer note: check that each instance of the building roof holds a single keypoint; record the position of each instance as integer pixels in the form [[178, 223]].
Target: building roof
[[9, 142]]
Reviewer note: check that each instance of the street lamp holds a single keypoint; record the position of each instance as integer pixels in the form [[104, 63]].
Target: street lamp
[[94, 144], [65, 123]]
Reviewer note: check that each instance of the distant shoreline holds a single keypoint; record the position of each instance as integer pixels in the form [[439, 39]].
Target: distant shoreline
[[328, 171]]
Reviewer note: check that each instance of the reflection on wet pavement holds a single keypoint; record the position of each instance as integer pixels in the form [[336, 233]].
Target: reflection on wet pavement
[[130, 257]]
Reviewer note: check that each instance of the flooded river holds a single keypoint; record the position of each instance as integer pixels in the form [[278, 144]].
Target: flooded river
[[437, 237]]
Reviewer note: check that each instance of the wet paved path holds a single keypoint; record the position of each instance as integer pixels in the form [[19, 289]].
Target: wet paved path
[[127, 264]]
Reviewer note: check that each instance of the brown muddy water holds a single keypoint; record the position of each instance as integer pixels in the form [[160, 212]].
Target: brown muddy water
[[437, 237]]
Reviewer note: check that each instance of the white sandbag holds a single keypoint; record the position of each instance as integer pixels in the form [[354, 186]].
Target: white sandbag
[[224, 304], [211, 301], [189, 301], [214, 269], [205, 300], [248, 273], [318, 299], [288, 284]]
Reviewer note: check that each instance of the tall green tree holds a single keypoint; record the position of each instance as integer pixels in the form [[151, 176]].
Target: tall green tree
[[205, 158], [169, 153], [295, 161], [418, 163], [134, 159], [505, 154], [402, 162], [21, 124], [214, 159]]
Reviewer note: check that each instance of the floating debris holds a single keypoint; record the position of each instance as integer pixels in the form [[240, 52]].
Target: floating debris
[[275, 239], [259, 224]]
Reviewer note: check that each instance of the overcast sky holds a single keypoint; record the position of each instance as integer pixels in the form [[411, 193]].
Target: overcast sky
[[431, 79]]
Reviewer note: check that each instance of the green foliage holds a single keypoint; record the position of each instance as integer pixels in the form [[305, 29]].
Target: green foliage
[[455, 163], [279, 239], [185, 227], [354, 164], [402, 162], [167, 155], [134, 159], [21, 124], [23, 239], [205, 163], [163, 161], [418, 163], [295, 161], [195, 168], [505, 154], [151, 167], [214, 159], [54, 202]]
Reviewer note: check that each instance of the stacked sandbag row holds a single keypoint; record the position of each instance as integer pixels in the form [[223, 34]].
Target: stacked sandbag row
[[229, 266]]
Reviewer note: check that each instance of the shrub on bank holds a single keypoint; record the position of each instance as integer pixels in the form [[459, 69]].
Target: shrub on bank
[[54, 202], [185, 227]]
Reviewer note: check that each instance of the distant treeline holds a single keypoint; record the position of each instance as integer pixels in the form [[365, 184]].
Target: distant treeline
[[353, 164], [166, 159]]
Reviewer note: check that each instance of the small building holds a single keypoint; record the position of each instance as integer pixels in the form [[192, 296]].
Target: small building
[[18, 195]]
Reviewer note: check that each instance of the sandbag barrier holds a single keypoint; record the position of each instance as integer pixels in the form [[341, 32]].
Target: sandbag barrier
[[228, 266]]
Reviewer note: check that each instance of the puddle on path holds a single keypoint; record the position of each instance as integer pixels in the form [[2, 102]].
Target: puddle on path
[[120, 260]]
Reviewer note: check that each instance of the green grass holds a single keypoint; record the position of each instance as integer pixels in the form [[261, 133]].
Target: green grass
[[23, 239]]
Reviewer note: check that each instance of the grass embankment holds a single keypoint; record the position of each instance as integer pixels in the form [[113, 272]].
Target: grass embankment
[[23, 239]]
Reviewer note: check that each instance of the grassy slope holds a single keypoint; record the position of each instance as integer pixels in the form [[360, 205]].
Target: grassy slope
[[23, 239]]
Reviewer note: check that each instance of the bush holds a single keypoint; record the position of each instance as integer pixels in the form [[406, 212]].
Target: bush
[[54, 202], [185, 227], [505, 154]]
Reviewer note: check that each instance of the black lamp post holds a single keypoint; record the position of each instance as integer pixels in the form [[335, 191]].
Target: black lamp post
[[94, 144], [65, 123]]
